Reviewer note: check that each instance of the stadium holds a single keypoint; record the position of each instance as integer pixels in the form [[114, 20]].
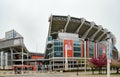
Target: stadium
[[72, 41]]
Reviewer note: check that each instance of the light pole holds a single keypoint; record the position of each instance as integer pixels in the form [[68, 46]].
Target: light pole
[[108, 54]]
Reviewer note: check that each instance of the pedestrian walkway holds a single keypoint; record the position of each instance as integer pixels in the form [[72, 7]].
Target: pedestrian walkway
[[64, 74]]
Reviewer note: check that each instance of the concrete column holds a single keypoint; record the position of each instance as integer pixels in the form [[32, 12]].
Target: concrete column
[[6, 60], [85, 55], [87, 48], [27, 59], [109, 50], [22, 60], [82, 48], [53, 58], [11, 56], [1, 60]]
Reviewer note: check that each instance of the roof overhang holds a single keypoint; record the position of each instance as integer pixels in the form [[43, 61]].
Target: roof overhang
[[85, 29]]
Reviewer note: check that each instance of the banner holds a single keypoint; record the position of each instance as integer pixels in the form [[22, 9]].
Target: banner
[[104, 50], [68, 48], [110, 48]]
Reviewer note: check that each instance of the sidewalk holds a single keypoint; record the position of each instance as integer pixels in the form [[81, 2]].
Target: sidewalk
[[89, 74], [63, 74]]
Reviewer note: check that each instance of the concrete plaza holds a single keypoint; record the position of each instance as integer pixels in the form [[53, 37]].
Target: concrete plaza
[[65, 74]]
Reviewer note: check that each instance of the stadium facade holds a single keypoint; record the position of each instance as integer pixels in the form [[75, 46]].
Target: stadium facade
[[15, 56], [71, 41]]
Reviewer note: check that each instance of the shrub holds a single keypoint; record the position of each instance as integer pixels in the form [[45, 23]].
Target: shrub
[[99, 62]]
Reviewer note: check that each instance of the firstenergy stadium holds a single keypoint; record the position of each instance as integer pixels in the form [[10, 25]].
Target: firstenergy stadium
[[73, 40]]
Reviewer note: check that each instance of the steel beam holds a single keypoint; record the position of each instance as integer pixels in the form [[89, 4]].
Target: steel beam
[[11, 56], [66, 25], [83, 21], [99, 29], [50, 24], [105, 31], [86, 33]]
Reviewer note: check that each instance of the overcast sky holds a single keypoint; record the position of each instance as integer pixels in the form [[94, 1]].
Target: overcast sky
[[30, 17]]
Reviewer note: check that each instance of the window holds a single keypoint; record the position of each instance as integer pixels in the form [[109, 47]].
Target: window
[[58, 43], [91, 49], [49, 38], [77, 49], [77, 43], [58, 54], [77, 54], [100, 48], [58, 48], [91, 55]]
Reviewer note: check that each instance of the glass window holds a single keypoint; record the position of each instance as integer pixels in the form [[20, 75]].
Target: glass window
[[55, 48], [58, 43], [91, 49], [58, 48], [77, 54], [49, 38], [100, 48], [76, 43], [58, 54], [91, 55], [76, 48]]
